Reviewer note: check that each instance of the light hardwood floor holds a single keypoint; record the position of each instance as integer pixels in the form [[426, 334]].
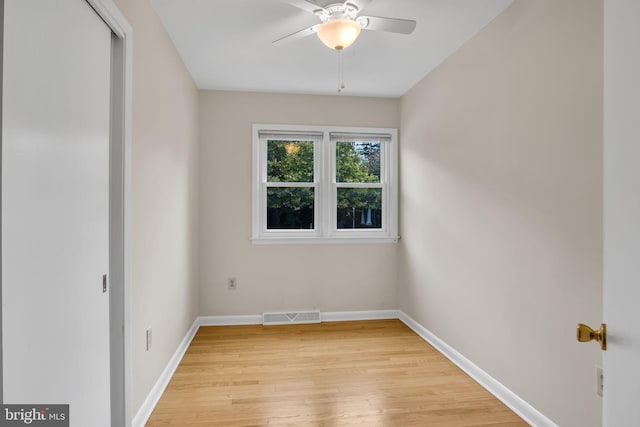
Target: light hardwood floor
[[369, 373]]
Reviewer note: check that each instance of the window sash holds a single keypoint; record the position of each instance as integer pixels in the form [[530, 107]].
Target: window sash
[[291, 184], [384, 140], [293, 136]]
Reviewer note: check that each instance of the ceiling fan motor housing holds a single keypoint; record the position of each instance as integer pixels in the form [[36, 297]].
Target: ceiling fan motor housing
[[338, 11]]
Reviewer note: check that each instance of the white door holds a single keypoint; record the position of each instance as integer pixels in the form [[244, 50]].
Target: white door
[[622, 213], [55, 174]]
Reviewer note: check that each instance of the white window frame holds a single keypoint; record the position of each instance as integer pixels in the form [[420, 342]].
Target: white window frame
[[326, 187]]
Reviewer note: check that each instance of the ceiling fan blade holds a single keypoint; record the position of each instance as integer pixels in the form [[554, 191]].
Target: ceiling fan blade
[[391, 25], [297, 35], [305, 5]]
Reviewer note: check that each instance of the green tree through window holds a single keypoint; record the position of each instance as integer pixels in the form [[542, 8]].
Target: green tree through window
[[357, 161], [290, 161]]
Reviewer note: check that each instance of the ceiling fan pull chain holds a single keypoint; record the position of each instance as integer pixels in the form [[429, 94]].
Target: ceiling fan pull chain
[[340, 72]]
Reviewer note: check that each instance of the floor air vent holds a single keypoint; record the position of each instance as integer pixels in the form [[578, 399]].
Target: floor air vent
[[291, 318]]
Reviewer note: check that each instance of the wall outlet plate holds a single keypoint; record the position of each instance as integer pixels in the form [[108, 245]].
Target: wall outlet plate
[[232, 284]]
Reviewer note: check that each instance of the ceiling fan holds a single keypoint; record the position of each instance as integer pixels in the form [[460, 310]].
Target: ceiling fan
[[341, 23]]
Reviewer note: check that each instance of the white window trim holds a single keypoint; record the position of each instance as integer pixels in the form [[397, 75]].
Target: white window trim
[[326, 230]]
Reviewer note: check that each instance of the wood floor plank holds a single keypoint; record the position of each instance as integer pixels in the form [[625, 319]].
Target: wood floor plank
[[362, 373]]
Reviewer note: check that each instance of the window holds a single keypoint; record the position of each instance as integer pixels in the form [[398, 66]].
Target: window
[[316, 184]]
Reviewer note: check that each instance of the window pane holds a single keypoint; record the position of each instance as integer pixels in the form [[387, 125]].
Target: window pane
[[290, 208], [359, 208], [357, 161], [289, 161]]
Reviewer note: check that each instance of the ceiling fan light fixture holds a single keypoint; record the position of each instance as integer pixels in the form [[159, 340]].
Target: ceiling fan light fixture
[[339, 34]]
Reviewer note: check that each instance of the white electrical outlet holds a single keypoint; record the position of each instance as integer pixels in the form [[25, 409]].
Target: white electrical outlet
[[232, 284], [149, 342], [599, 381]]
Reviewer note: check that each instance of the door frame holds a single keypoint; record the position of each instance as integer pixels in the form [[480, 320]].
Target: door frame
[[119, 208], [621, 213]]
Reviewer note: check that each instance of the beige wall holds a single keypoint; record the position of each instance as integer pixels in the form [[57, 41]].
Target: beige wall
[[501, 203], [164, 197], [279, 277]]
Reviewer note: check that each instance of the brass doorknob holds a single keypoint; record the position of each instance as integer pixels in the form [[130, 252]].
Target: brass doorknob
[[586, 334]]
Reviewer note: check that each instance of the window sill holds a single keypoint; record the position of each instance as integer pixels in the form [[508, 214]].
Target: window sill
[[322, 240]]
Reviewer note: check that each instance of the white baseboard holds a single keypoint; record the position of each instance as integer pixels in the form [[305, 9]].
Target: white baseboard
[[229, 320], [527, 412], [143, 414], [506, 396], [343, 316]]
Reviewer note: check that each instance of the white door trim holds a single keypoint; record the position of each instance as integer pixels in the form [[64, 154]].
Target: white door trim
[[120, 215], [621, 213], [1, 116]]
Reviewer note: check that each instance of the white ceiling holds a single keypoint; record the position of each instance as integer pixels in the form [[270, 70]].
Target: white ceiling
[[227, 44]]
